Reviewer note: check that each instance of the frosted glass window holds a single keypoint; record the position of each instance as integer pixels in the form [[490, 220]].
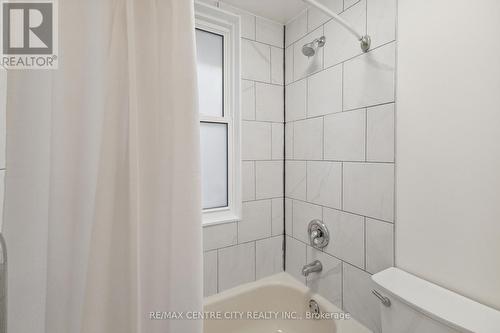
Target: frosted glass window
[[210, 61], [214, 164]]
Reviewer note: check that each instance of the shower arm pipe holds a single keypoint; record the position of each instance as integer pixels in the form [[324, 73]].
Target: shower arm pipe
[[364, 39]]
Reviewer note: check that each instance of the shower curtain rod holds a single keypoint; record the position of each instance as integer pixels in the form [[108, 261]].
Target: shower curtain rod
[[364, 39]]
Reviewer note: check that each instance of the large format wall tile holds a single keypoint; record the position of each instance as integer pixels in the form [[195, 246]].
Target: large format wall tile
[[277, 68], [269, 256], [277, 141], [295, 258], [236, 265], [369, 78], [328, 282], [209, 273], [296, 100], [369, 189], [303, 213], [295, 179], [247, 100], [379, 245], [269, 102], [255, 61], [296, 29], [358, 298], [269, 32], [303, 65], [347, 236], [324, 183], [248, 180], [308, 139], [256, 140], [325, 92], [269, 179], [341, 44], [277, 216], [380, 133], [345, 136], [256, 221], [316, 17], [219, 235], [381, 21]]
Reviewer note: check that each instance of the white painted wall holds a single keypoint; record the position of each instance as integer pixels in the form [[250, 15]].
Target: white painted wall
[[448, 145]]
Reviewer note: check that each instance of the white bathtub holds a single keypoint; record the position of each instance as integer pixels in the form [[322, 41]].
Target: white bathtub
[[273, 298]]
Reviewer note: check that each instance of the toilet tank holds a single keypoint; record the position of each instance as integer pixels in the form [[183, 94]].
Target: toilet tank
[[419, 306]]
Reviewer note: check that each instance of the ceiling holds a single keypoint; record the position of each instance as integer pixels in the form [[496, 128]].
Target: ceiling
[[277, 10]]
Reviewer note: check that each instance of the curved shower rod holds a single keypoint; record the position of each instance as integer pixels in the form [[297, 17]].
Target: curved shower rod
[[364, 40]]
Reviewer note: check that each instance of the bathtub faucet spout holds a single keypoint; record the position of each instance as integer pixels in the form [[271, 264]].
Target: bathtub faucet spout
[[315, 266]]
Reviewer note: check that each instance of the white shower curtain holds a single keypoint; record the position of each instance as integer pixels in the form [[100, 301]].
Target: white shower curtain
[[103, 207]]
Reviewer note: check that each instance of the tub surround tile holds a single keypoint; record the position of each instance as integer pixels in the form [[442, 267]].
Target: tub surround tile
[[324, 183], [269, 102], [340, 44], [380, 133], [277, 68], [315, 17], [345, 136], [277, 216], [288, 216], [325, 92], [248, 100], [236, 265], [381, 21], [303, 213], [256, 221], [308, 139], [303, 65], [248, 180], [269, 179], [369, 189], [296, 29], [328, 282], [277, 141], [369, 78], [289, 65], [269, 32], [295, 179], [296, 101], [209, 273], [269, 256], [347, 236], [289, 141], [219, 235], [256, 140], [358, 298], [296, 256], [255, 61], [379, 245]]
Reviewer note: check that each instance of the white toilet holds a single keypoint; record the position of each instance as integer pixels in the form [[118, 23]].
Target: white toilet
[[413, 305]]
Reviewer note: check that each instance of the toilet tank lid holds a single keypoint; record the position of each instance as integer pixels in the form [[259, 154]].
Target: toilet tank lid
[[439, 303]]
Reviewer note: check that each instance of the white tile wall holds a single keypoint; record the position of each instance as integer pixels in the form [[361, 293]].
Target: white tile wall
[[256, 221], [345, 136], [302, 214], [379, 245], [340, 44], [369, 78], [339, 121], [256, 140], [255, 61], [248, 180], [380, 133], [324, 92], [269, 32], [269, 256], [236, 265], [328, 283], [302, 65], [369, 189], [308, 139], [315, 17], [295, 258], [269, 102], [242, 251], [247, 100], [347, 236], [324, 183], [358, 298], [209, 273], [269, 179]]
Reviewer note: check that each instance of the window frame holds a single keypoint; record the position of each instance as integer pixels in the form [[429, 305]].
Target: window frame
[[214, 20]]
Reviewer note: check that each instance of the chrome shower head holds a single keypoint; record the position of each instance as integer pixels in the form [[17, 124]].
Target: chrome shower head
[[309, 49]]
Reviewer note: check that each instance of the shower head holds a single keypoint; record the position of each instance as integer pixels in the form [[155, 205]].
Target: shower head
[[309, 49]]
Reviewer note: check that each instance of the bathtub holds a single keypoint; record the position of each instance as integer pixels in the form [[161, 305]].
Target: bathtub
[[276, 304]]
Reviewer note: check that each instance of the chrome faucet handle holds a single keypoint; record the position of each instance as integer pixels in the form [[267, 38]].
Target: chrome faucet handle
[[318, 234]]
